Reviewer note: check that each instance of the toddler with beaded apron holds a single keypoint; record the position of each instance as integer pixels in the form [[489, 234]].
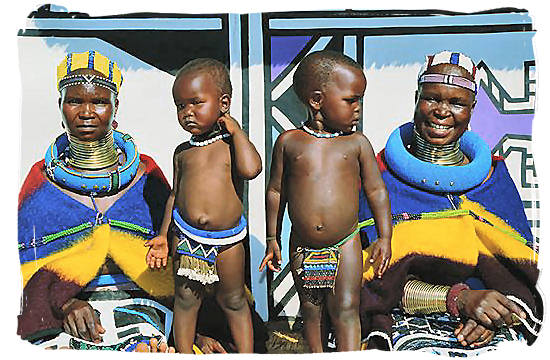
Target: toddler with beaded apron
[[205, 207], [318, 169]]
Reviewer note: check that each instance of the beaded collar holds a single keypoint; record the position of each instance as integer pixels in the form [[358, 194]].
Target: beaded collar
[[320, 135], [215, 134], [433, 177], [96, 183], [193, 141]]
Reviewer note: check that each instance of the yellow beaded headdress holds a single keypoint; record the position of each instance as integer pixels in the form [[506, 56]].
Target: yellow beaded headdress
[[112, 79]]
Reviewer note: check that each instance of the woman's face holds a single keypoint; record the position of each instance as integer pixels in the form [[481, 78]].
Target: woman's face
[[442, 111], [88, 110]]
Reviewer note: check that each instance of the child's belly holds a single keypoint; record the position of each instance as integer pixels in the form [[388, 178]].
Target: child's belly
[[323, 214], [209, 203]]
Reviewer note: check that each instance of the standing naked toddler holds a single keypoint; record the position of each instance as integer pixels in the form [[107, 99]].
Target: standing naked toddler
[[318, 170], [205, 206]]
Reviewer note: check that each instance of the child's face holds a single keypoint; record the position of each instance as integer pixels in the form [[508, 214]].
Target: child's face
[[443, 112], [88, 110], [197, 100], [343, 97]]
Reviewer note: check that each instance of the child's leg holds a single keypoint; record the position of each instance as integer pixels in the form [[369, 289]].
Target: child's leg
[[343, 304], [312, 312], [187, 301], [231, 296]]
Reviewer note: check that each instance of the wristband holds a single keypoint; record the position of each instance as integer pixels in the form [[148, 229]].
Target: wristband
[[452, 297]]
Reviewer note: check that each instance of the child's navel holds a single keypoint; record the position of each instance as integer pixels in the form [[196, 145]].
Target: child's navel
[[202, 220]]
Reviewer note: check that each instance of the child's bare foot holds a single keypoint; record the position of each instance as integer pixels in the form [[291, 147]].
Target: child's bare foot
[[154, 346]]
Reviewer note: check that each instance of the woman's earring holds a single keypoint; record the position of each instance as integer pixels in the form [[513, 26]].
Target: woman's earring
[[114, 124]]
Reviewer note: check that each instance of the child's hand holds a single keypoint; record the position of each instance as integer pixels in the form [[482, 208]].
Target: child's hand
[[272, 255], [230, 124], [381, 253], [157, 256]]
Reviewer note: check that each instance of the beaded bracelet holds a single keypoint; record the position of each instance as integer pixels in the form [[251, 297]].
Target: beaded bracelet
[[452, 297]]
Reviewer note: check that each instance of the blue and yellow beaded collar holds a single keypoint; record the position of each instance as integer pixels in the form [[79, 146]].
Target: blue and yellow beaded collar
[[97, 183]]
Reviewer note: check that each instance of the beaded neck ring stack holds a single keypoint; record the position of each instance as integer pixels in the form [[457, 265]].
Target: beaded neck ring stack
[[448, 155], [93, 183], [209, 138], [320, 135], [92, 155]]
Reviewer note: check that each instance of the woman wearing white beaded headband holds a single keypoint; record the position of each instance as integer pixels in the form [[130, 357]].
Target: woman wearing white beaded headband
[[459, 226]]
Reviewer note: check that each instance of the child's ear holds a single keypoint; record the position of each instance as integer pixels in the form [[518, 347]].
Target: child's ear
[[316, 100], [225, 103]]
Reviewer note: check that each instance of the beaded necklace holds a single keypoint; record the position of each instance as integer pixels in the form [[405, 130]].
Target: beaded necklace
[[193, 141], [206, 139], [320, 135]]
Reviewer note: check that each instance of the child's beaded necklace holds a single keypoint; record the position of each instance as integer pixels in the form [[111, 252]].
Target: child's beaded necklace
[[320, 135], [212, 137]]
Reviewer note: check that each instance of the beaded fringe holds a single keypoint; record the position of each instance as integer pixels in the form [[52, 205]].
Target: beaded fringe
[[197, 269]]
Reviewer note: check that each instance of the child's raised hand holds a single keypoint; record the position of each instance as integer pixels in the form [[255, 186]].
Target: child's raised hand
[[381, 254], [229, 123], [272, 255], [157, 256]]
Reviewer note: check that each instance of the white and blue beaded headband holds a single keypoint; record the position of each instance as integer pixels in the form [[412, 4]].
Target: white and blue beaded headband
[[80, 79], [454, 58]]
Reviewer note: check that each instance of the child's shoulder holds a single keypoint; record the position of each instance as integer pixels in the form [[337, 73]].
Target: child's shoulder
[[358, 137], [180, 149], [289, 136]]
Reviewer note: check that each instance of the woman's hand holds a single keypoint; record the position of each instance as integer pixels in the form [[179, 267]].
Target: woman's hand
[[488, 308], [80, 320], [473, 334]]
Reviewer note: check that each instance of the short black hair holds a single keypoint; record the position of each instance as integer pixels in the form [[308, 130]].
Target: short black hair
[[216, 69], [315, 71]]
